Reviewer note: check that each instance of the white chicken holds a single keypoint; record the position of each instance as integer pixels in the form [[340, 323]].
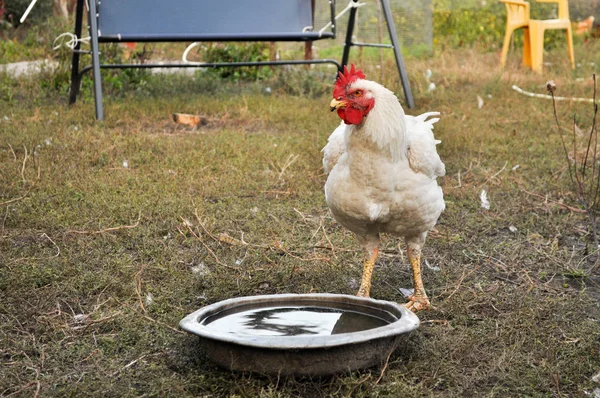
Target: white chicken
[[382, 168]]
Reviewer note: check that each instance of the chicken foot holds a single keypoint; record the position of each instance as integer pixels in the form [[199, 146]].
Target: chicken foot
[[367, 276], [418, 300]]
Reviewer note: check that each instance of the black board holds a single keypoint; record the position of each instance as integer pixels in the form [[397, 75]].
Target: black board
[[204, 20]]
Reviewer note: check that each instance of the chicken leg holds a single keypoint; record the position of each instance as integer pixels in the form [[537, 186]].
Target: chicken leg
[[367, 276], [418, 300]]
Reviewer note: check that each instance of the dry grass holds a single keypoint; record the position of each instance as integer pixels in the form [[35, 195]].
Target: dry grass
[[99, 262]]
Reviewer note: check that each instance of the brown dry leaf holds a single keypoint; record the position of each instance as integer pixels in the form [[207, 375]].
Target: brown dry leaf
[[226, 238]]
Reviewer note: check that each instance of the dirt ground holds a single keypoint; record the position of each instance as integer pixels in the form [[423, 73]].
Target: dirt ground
[[112, 232]]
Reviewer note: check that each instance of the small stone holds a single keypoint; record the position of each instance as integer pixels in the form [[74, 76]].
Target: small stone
[[432, 267], [200, 269], [149, 298], [80, 318]]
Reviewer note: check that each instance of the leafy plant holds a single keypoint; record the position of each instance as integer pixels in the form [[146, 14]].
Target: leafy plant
[[467, 26], [238, 52]]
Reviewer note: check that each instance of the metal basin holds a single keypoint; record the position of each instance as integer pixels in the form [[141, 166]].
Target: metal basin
[[300, 334]]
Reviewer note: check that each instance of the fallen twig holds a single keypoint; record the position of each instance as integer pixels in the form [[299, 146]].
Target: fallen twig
[[44, 235], [130, 364], [208, 249], [570, 208], [202, 225], [25, 387], [279, 247], [111, 229], [23, 166], [289, 161], [17, 199], [462, 278], [13, 152], [138, 286], [385, 366], [96, 321], [55, 245], [495, 175], [545, 96]]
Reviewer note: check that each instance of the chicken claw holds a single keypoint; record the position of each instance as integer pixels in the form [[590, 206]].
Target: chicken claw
[[418, 303]]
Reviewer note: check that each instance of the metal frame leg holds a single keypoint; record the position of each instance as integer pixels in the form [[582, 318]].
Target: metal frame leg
[[93, 24], [75, 76], [387, 11], [349, 32]]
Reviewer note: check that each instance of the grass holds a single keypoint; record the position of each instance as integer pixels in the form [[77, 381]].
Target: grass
[[99, 262]]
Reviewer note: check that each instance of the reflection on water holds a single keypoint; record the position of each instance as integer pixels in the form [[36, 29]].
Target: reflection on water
[[292, 321]]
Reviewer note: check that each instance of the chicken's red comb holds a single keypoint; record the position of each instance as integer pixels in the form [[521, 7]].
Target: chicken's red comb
[[349, 76]]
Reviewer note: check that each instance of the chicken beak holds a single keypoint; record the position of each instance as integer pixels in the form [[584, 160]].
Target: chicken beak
[[335, 104]]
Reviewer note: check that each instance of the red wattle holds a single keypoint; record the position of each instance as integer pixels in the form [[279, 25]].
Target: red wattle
[[353, 116], [350, 115]]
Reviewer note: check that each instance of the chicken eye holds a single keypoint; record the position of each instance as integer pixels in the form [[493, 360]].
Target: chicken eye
[[358, 93]]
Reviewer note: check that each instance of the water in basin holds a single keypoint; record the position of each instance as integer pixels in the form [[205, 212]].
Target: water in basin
[[292, 321]]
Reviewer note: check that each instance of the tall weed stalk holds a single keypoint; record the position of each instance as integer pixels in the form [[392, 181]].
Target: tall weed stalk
[[584, 172]]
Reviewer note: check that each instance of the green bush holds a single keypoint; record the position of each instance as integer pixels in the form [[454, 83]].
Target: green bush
[[467, 26], [121, 81], [237, 52]]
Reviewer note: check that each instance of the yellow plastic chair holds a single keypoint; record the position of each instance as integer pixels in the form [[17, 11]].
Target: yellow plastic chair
[[533, 46], [517, 16]]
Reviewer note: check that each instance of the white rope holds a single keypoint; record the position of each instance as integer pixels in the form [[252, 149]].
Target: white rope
[[546, 96], [351, 5], [30, 7], [27, 11], [187, 51], [70, 43]]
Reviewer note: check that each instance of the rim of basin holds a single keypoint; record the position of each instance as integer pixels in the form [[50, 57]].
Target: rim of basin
[[405, 322]]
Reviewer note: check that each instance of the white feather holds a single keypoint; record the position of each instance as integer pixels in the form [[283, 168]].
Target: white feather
[[422, 153], [485, 203], [336, 146], [479, 102]]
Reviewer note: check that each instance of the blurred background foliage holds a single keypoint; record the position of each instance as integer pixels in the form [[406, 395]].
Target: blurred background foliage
[[424, 27], [481, 22]]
